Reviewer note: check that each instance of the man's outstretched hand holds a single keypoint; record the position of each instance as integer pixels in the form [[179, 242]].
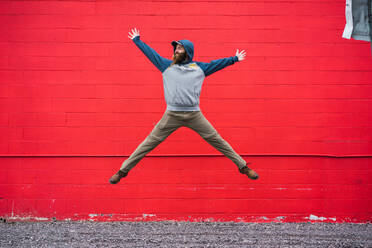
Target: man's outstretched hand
[[241, 55], [134, 34]]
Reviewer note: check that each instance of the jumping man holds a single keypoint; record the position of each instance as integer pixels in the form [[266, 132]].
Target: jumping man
[[182, 79]]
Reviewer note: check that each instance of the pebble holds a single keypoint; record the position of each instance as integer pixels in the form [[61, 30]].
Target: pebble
[[183, 234]]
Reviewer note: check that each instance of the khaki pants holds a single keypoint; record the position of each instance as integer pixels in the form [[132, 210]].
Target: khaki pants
[[170, 122]]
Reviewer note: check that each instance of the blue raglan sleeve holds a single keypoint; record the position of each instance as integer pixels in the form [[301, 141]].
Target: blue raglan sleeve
[[216, 65], [160, 62]]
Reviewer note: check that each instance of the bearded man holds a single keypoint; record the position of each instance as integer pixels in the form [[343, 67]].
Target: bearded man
[[182, 80]]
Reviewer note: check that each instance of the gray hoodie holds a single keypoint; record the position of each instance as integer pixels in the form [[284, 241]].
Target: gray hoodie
[[183, 82]]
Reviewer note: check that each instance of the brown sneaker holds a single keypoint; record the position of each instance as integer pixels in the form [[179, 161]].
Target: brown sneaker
[[116, 177], [249, 172]]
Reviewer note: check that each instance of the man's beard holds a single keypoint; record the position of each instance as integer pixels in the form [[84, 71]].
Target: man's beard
[[178, 58]]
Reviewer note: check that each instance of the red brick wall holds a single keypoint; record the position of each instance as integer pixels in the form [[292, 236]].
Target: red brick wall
[[77, 97]]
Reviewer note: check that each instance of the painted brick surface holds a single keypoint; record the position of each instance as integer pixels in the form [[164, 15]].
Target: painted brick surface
[[77, 97], [187, 188]]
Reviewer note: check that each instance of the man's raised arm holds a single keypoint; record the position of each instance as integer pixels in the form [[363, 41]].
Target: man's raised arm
[[218, 64], [160, 62]]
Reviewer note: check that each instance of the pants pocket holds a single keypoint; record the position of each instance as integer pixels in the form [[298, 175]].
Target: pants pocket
[[164, 121]]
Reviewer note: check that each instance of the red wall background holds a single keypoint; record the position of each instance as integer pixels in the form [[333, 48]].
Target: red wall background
[[77, 97]]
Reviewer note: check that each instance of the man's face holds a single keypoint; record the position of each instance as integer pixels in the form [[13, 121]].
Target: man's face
[[179, 49], [179, 54]]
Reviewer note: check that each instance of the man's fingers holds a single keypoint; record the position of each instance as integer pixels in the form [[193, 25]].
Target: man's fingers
[[241, 53], [134, 31]]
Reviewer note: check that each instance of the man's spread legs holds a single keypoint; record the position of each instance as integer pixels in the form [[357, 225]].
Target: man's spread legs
[[160, 132], [205, 129]]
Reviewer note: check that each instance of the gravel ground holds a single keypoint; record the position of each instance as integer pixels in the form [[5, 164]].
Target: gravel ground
[[183, 234]]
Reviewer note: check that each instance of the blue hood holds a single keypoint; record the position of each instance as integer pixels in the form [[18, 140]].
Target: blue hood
[[189, 47]]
